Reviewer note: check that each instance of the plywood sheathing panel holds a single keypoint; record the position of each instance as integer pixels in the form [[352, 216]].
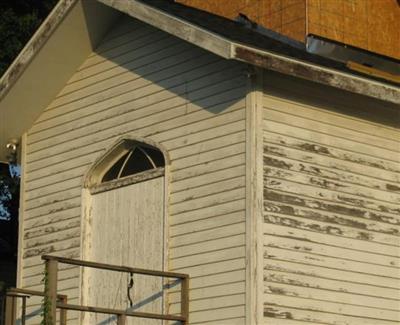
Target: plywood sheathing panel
[[283, 16], [372, 25], [368, 24]]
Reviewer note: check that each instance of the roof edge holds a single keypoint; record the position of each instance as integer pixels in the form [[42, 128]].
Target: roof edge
[[228, 49], [316, 73], [209, 41], [175, 26], [45, 64], [39, 38]]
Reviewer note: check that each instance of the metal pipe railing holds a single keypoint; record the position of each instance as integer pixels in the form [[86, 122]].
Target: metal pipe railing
[[51, 291]]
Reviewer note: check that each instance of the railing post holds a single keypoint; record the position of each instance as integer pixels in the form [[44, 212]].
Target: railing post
[[50, 294], [63, 312], [121, 319], [11, 310], [50, 312], [23, 311], [185, 299]]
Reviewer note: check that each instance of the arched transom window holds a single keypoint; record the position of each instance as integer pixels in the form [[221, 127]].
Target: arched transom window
[[139, 159], [128, 162], [124, 224]]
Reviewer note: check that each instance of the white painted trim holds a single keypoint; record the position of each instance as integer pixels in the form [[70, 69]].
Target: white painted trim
[[94, 174], [86, 222], [21, 211], [167, 180], [371, 88], [259, 192], [36, 42], [175, 26], [307, 65], [227, 49], [254, 194], [73, 24], [86, 208], [189, 32], [128, 180]]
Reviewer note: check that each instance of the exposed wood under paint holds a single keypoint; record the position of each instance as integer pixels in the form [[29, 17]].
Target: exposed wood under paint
[[331, 231], [318, 74]]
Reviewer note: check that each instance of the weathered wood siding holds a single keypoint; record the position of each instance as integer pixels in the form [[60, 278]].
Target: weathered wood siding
[[331, 212], [143, 82], [127, 228]]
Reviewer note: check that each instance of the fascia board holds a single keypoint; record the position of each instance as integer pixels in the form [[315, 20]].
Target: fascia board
[[180, 28], [230, 50], [57, 49], [317, 73], [174, 26]]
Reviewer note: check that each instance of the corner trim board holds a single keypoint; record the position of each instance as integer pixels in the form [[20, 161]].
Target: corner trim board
[[254, 197]]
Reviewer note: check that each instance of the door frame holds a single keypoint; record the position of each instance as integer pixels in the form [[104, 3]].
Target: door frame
[[91, 179]]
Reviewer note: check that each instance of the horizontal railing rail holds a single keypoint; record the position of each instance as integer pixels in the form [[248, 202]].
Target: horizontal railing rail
[[12, 294], [51, 291], [118, 268]]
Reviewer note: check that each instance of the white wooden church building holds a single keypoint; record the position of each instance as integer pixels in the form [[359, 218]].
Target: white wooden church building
[[158, 136]]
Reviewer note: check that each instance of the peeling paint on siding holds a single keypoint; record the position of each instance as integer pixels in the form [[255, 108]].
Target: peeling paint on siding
[[331, 223]]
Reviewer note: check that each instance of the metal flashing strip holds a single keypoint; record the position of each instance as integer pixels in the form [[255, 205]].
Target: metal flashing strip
[[345, 53]]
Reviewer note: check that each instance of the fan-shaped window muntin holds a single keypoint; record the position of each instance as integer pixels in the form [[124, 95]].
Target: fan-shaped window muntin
[[139, 159], [128, 161]]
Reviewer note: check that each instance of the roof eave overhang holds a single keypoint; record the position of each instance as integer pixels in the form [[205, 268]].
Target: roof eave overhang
[[209, 41], [68, 35], [230, 50], [316, 73]]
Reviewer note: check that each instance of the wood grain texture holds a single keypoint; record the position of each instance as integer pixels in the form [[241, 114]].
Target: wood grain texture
[[126, 228], [331, 216]]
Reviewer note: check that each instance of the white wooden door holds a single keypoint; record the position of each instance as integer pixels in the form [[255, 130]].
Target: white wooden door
[[127, 229]]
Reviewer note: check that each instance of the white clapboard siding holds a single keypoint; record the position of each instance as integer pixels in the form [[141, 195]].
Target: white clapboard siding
[[140, 124], [144, 83], [204, 90], [331, 215], [137, 90], [208, 223]]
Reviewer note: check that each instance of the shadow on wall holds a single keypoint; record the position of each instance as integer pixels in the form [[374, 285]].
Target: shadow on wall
[[332, 99], [153, 65], [148, 77], [149, 300]]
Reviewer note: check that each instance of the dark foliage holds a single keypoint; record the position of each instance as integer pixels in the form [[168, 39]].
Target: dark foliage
[[9, 203], [18, 21], [9, 194]]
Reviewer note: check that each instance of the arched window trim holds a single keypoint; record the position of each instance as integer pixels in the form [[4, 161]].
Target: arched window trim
[[124, 164], [93, 179]]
